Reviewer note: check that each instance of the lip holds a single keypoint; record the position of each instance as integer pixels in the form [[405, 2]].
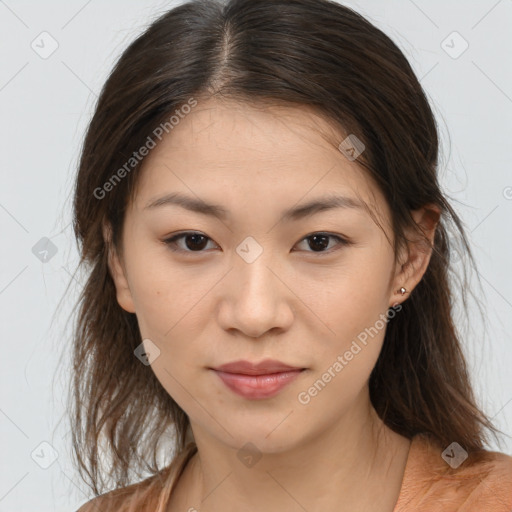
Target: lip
[[264, 367], [256, 381]]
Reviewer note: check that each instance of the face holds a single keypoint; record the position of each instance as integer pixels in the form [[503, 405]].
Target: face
[[309, 289]]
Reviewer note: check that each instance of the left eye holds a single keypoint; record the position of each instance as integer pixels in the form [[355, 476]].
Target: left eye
[[320, 241], [196, 242]]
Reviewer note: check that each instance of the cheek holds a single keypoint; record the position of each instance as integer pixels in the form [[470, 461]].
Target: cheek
[[168, 299], [346, 360], [355, 308], [169, 313], [356, 295], [354, 349]]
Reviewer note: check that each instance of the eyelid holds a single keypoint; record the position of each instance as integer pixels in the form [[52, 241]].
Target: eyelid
[[342, 241], [170, 241]]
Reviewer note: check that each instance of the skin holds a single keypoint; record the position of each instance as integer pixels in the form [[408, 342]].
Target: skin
[[305, 308]]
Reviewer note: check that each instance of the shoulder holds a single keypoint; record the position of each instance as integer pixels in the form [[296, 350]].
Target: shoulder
[[140, 496], [151, 494], [486, 480], [455, 479]]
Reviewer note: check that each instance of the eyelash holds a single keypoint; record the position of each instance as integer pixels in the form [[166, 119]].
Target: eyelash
[[171, 242]]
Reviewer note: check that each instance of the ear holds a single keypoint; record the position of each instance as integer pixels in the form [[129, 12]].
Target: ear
[[118, 272], [414, 259]]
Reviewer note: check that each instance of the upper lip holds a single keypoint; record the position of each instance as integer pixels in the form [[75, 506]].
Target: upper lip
[[262, 368]]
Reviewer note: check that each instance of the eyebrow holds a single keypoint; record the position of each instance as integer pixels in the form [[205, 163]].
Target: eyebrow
[[293, 214]]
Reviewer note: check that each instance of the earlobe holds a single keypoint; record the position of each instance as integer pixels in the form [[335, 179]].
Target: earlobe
[[414, 258], [117, 272]]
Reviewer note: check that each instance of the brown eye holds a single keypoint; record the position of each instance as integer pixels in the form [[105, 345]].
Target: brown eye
[[193, 242], [318, 242]]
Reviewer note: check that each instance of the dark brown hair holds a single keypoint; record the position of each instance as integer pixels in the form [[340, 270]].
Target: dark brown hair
[[311, 53]]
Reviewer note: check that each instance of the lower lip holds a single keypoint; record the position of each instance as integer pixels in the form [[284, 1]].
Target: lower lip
[[256, 387]]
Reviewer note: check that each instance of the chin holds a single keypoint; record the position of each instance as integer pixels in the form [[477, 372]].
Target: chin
[[266, 436]]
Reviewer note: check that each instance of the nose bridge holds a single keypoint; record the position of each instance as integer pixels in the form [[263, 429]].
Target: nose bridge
[[257, 300], [252, 269]]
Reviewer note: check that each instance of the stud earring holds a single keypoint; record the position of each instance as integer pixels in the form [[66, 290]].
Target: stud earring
[[402, 290]]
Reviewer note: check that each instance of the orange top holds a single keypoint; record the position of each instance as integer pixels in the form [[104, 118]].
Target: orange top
[[480, 483]]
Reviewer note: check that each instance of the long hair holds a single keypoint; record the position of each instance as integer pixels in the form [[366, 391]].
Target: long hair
[[311, 53]]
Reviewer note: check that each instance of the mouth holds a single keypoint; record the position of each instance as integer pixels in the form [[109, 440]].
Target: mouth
[[265, 367], [257, 380]]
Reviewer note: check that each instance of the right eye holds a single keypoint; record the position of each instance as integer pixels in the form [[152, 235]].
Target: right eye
[[193, 240]]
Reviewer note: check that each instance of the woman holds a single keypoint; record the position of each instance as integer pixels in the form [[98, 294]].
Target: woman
[[269, 299]]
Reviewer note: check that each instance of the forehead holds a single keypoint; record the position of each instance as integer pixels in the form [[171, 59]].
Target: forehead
[[227, 151]]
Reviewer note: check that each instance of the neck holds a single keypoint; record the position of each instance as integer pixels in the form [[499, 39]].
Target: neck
[[358, 463]]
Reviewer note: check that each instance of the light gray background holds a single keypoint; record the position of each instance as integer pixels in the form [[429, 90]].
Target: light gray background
[[45, 105]]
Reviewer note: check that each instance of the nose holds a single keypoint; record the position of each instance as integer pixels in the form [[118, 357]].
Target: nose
[[256, 298]]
